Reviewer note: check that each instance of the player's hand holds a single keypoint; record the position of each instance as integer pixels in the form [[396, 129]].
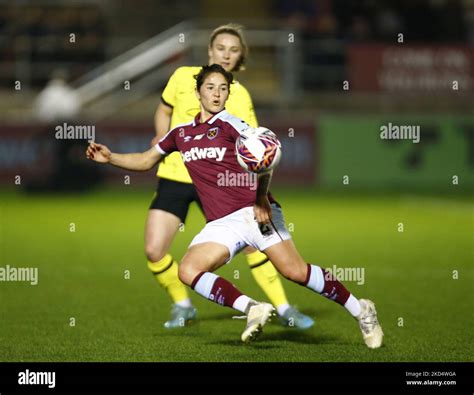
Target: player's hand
[[98, 153], [263, 210], [155, 141]]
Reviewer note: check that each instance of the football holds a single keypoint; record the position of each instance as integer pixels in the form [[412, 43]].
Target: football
[[258, 150]]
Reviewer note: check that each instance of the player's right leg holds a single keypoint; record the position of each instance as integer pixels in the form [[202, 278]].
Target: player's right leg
[[167, 211]]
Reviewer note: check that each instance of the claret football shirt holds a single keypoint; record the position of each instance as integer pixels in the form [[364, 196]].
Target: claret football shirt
[[208, 152], [180, 94]]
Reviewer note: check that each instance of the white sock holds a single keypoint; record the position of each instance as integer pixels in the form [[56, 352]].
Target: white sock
[[241, 303], [316, 279], [185, 303], [282, 308], [204, 285], [353, 306], [316, 283]]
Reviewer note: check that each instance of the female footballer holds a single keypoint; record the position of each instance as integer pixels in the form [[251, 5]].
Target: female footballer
[[234, 213], [175, 192]]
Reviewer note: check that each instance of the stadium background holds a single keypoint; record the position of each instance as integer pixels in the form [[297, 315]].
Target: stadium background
[[325, 75]]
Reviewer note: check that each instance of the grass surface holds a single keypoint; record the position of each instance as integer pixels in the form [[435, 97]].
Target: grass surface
[[81, 275]]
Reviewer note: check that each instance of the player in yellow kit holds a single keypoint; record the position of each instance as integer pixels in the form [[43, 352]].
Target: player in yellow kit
[[176, 192]]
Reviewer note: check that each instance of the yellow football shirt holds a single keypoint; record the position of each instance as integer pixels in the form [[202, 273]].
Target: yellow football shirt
[[180, 94]]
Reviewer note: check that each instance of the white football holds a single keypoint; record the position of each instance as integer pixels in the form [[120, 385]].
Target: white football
[[258, 150]]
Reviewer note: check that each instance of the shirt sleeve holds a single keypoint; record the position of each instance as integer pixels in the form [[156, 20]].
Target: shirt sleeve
[[237, 127], [167, 144], [169, 93]]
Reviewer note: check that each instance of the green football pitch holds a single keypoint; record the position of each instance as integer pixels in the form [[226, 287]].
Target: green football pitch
[[96, 300]]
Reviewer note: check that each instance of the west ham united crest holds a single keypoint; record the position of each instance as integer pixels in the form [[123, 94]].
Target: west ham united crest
[[212, 133]]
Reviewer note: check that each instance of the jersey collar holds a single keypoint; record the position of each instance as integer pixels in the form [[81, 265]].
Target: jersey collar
[[211, 120]]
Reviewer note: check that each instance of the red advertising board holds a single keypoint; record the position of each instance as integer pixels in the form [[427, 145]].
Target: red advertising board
[[411, 68], [34, 151]]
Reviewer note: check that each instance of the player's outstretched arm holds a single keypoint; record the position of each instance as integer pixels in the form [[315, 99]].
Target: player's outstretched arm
[[135, 161], [262, 208]]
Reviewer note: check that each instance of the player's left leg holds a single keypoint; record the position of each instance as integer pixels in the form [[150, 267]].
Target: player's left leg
[[195, 270], [289, 263]]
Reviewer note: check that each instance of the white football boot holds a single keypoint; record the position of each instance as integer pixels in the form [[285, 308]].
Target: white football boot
[[369, 325], [258, 315]]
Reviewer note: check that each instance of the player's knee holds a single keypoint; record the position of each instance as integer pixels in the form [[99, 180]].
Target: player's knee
[[296, 273], [154, 252], [186, 273]]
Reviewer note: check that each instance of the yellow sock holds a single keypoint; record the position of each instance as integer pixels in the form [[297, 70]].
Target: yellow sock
[[267, 278], [166, 273]]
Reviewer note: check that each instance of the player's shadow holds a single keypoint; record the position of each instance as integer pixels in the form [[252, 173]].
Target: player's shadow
[[315, 314], [238, 344], [269, 341], [272, 339], [282, 333], [299, 336]]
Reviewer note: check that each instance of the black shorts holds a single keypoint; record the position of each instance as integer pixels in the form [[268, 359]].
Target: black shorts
[[175, 197]]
